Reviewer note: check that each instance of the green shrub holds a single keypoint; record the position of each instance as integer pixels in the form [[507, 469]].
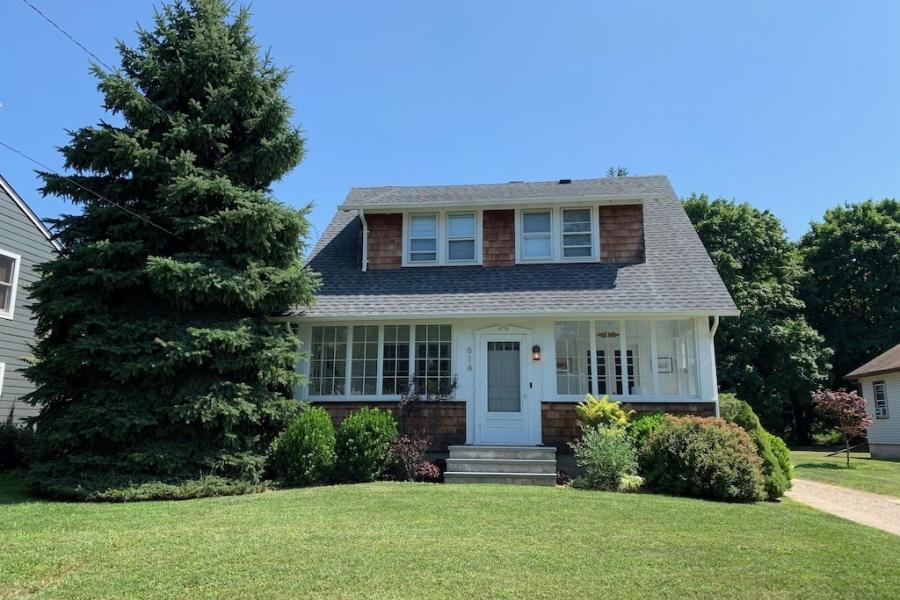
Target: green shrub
[[112, 490], [739, 412], [303, 454], [362, 444], [15, 441], [703, 457], [606, 455], [641, 427], [601, 411], [782, 455]]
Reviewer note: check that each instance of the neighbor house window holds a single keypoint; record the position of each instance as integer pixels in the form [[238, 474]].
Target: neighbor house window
[[432, 356], [395, 363], [577, 241], [536, 235], [423, 238], [573, 347], [364, 360], [9, 267], [880, 392], [461, 236], [328, 361]]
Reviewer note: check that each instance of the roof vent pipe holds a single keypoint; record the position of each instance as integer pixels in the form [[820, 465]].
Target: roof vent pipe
[[565, 181]]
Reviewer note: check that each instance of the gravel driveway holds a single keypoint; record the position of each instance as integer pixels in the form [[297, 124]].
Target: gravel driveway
[[874, 510]]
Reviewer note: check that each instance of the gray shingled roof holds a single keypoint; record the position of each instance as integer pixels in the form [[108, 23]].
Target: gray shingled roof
[[886, 362], [678, 275], [505, 193]]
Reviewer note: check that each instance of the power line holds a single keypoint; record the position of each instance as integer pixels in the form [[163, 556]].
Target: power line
[[88, 190], [65, 33]]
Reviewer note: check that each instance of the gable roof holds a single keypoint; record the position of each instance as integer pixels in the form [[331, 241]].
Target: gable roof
[[677, 276], [516, 192], [4, 185], [883, 363]]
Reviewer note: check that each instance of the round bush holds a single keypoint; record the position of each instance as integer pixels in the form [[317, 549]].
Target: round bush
[[304, 452], [703, 457], [738, 412], [606, 455], [362, 444], [782, 455], [641, 427]]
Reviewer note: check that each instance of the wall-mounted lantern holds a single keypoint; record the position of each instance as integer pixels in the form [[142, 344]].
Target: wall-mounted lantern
[[535, 352]]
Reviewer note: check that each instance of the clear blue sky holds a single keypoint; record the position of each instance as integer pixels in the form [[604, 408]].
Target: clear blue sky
[[792, 106]]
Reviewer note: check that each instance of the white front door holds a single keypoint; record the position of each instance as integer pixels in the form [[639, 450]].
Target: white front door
[[502, 407]]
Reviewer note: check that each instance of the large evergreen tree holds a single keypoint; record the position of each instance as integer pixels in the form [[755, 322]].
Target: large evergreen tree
[[158, 361], [852, 291], [769, 356]]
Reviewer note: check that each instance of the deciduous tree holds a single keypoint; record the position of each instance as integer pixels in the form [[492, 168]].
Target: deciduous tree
[[847, 410]]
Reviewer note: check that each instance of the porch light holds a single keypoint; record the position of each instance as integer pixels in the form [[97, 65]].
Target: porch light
[[535, 352]]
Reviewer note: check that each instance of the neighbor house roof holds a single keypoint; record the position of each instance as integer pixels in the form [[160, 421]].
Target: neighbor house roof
[[883, 363], [677, 276], [17, 199]]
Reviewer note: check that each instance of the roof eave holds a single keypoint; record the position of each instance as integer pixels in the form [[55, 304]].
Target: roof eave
[[662, 313], [500, 202], [857, 375], [6, 187]]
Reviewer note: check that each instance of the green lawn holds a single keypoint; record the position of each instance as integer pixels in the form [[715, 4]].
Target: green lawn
[[865, 473], [395, 540]]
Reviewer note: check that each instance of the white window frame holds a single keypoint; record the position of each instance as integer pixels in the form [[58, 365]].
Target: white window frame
[[379, 395], [556, 236], [591, 231], [2, 376], [521, 235], [442, 238], [473, 237], [408, 237], [17, 262], [884, 413]]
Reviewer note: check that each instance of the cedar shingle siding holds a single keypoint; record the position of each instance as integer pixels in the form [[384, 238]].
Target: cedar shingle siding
[[499, 232], [622, 234], [385, 241]]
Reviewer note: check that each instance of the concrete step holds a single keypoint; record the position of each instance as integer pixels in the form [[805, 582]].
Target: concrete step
[[498, 465], [504, 452], [509, 478]]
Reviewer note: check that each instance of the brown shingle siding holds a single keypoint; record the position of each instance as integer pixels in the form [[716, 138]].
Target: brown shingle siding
[[499, 232], [385, 241], [622, 234]]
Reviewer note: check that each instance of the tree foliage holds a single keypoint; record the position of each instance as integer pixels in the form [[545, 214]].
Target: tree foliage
[[769, 355], [157, 360], [847, 410], [853, 284]]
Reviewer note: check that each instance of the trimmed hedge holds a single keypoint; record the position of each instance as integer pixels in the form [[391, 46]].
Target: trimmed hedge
[[703, 457], [362, 444], [303, 454]]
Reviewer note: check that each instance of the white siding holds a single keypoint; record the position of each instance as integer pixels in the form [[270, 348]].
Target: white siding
[[883, 431]]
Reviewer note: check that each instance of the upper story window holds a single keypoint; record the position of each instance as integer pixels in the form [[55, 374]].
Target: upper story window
[[880, 393], [557, 234], [423, 238], [442, 238], [9, 273]]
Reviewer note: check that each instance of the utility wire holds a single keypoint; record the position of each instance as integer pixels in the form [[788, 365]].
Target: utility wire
[[65, 33], [88, 190]]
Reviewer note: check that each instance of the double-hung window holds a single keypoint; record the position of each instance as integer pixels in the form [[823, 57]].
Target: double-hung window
[[880, 394], [461, 237], [9, 271], [423, 238], [537, 228], [577, 241]]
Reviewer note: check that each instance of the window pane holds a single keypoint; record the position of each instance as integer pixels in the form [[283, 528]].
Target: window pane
[[363, 375], [576, 220], [577, 239], [423, 257], [328, 360], [536, 222], [5, 294], [395, 364], [461, 250], [537, 247], [433, 368], [573, 346], [608, 347], [6, 269], [637, 335], [676, 357], [577, 252], [423, 226], [461, 226], [423, 245]]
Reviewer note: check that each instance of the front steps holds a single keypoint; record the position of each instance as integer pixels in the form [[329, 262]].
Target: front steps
[[521, 465]]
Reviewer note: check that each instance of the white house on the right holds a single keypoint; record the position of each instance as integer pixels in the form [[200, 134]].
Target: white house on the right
[[879, 380]]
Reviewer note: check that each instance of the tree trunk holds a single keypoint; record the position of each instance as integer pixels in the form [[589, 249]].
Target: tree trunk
[[803, 417], [847, 445]]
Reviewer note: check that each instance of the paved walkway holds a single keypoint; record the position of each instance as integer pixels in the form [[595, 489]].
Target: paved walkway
[[874, 510]]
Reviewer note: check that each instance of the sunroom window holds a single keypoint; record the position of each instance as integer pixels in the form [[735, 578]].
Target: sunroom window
[[328, 361], [577, 241], [423, 238], [573, 348], [461, 237], [433, 345], [536, 235], [395, 364], [364, 363]]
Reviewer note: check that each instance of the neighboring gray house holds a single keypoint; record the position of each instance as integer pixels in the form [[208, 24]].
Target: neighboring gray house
[[24, 243], [879, 380]]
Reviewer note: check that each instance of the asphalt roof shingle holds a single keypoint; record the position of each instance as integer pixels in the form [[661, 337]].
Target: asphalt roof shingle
[[678, 275], [883, 363]]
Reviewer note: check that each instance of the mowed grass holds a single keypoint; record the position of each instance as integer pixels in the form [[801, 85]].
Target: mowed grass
[[865, 473], [395, 540]]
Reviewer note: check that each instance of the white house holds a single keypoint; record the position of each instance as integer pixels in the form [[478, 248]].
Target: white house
[[879, 380]]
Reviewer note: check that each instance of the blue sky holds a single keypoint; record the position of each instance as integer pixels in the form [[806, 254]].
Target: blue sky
[[791, 106]]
